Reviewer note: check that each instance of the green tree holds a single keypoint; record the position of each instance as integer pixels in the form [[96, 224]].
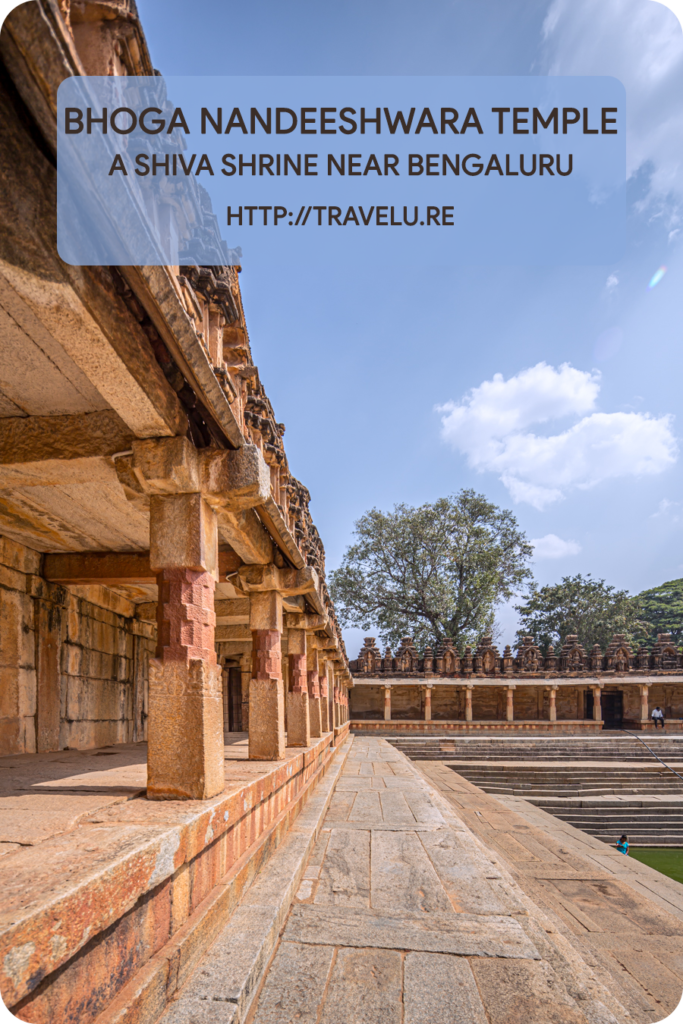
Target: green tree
[[431, 572], [663, 607], [583, 606]]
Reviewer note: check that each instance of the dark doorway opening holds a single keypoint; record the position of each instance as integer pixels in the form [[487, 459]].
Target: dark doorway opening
[[612, 710], [232, 700], [588, 704]]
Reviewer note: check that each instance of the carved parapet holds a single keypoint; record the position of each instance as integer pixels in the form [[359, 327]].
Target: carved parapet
[[388, 663], [572, 655], [447, 658], [529, 659], [618, 656], [665, 654], [406, 656], [370, 658], [487, 658]]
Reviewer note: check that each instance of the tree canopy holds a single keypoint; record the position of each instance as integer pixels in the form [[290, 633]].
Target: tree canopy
[[583, 606], [431, 572], [663, 607]]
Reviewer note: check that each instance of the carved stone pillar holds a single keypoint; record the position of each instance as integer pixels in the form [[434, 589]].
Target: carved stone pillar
[[325, 697], [510, 704], [597, 708], [314, 688], [552, 711], [298, 722], [387, 703], [468, 703], [266, 690], [185, 759], [428, 703], [335, 707]]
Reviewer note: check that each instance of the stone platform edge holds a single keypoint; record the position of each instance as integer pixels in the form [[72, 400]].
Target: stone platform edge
[[155, 990], [230, 977], [369, 727], [143, 918]]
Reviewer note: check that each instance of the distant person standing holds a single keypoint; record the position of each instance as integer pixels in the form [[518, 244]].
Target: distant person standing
[[657, 717], [622, 845]]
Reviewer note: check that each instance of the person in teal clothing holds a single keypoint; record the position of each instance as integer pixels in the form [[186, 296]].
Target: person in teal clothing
[[622, 845]]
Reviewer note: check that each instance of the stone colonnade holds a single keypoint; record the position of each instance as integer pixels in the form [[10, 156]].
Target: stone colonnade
[[551, 688], [187, 489]]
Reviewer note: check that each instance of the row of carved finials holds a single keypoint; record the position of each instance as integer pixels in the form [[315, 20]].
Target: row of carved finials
[[485, 659]]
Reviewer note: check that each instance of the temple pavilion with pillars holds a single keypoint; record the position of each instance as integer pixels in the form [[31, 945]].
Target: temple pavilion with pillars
[[173, 682], [571, 690]]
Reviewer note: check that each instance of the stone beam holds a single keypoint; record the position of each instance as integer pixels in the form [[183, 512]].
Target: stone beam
[[245, 533], [287, 582], [114, 568], [25, 440]]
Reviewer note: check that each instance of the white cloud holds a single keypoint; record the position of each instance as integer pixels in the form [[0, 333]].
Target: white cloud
[[611, 283], [640, 43], [489, 426], [552, 546], [668, 510]]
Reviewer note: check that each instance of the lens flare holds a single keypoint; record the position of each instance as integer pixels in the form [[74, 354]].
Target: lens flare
[[657, 277]]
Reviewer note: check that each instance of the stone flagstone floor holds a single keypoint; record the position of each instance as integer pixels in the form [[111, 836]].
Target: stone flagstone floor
[[404, 917], [405, 913]]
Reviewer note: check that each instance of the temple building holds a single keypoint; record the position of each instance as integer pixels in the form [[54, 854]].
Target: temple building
[[571, 691], [162, 584]]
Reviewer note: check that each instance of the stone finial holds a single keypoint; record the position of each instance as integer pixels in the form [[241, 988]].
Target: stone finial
[[550, 661]]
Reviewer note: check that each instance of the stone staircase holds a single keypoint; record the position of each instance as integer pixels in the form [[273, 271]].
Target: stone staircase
[[606, 747], [602, 785]]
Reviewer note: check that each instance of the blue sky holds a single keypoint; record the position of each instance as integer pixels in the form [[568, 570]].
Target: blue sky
[[359, 357]]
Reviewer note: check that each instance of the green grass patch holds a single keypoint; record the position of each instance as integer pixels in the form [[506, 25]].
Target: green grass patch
[[667, 861]]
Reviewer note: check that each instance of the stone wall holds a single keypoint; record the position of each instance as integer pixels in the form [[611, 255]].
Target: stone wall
[[73, 662]]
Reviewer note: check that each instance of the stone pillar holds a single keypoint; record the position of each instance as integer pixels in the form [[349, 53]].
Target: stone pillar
[[552, 714], [314, 688], [185, 758], [510, 704], [597, 709], [428, 703], [298, 721], [644, 705], [325, 697], [266, 690], [335, 707], [468, 703], [245, 672], [387, 703]]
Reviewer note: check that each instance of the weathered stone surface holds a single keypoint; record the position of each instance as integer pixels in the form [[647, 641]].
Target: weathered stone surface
[[185, 753], [464, 934], [440, 989], [365, 987], [345, 875], [462, 869], [523, 992], [295, 986], [403, 877], [183, 533]]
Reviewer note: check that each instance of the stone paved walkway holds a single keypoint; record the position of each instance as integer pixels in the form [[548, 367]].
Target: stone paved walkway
[[405, 917]]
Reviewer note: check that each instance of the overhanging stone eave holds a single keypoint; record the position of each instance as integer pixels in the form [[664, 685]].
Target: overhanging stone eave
[[154, 288]]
